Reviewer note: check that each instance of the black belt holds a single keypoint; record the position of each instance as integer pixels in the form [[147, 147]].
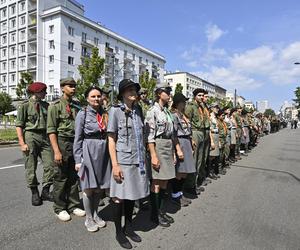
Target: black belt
[[163, 137], [214, 132], [184, 136], [233, 128], [99, 136]]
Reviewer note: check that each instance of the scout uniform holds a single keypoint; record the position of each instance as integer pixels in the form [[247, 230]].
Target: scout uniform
[[222, 137], [195, 114], [32, 117], [61, 121], [144, 104], [239, 132]]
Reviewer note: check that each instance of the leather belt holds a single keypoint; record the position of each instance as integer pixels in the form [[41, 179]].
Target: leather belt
[[99, 136]]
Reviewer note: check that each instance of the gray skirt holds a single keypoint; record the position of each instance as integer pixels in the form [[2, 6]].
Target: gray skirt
[[188, 164], [134, 186], [245, 139], [233, 136], [95, 170], [216, 151], [165, 154]]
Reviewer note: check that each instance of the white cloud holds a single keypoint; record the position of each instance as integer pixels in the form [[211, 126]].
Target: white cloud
[[213, 33]]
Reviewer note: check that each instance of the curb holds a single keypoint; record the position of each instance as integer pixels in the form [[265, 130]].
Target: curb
[[7, 144]]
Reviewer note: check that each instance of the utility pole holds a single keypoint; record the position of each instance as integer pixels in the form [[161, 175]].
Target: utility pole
[[234, 97]]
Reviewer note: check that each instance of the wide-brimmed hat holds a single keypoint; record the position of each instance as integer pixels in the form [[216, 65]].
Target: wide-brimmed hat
[[126, 83], [36, 87], [163, 86], [178, 98]]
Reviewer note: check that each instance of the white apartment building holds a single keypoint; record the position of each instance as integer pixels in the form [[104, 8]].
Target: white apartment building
[[49, 38], [191, 82], [262, 106], [240, 100], [249, 105]]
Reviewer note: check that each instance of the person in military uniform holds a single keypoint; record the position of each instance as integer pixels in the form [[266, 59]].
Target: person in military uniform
[[31, 131], [162, 143], [106, 105], [222, 137], [61, 131], [143, 101], [194, 113], [239, 132], [129, 180]]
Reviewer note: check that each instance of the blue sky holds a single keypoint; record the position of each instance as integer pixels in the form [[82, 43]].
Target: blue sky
[[247, 45]]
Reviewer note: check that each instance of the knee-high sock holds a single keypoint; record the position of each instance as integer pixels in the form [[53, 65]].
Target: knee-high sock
[[155, 203], [163, 198], [128, 209], [117, 214], [176, 187], [88, 204], [96, 200]]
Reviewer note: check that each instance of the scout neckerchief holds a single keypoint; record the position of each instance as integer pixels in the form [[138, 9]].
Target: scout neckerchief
[[184, 118], [100, 122], [139, 141], [168, 114]]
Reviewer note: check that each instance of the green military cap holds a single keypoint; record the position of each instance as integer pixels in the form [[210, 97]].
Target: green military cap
[[67, 81]]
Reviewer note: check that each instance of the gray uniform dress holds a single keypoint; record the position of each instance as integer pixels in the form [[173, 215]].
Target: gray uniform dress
[[215, 135], [245, 138], [233, 132], [160, 130], [183, 132], [91, 150], [130, 148]]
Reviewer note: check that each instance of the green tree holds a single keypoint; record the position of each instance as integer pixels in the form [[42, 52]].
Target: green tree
[[5, 103], [297, 100], [91, 70], [269, 112], [148, 83], [178, 88], [25, 81], [211, 100]]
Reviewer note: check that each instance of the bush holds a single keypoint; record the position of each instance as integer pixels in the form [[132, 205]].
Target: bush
[[8, 135]]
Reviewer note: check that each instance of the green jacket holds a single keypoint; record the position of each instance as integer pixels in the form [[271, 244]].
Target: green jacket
[[61, 117], [32, 115], [238, 120], [195, 116]]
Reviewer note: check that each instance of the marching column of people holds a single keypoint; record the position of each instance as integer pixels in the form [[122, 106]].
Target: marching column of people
[[130, 150]]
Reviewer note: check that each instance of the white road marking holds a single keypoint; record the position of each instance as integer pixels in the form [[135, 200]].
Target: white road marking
[[13, 166]]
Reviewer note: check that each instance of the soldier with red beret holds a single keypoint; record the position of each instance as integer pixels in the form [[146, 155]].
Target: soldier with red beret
[[31, 129]]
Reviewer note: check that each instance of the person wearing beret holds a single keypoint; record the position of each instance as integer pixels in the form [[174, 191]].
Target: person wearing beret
[[91, 156], [186, 165], [61, 131], [162, 144], [194, 113], [31, 131], [129, 180]]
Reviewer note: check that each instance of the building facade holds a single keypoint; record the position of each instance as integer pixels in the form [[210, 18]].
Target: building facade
[[240, 100], [249, 105], [191, 82], [262, 106], [50, 38]]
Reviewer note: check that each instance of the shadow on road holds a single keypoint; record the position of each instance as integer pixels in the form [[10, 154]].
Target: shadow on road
[[269, 170]]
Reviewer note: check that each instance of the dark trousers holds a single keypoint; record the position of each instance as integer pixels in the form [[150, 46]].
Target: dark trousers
[[65, 186]]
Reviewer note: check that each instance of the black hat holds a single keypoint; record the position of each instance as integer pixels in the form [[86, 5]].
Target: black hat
[[126, 83], [163, 86], [197, 91], [178, 98], [220, 112], [244, 112], [233, 110]]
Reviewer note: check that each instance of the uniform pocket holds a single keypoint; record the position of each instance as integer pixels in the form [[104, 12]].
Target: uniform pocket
[[123, 147]]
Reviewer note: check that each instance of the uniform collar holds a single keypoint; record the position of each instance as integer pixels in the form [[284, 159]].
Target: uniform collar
[[158, 106]]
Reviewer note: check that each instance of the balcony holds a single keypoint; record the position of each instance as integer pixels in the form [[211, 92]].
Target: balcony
[[32, 49], [32, 20], [128, 58], [32, 6], [31, 62], [109, 51]]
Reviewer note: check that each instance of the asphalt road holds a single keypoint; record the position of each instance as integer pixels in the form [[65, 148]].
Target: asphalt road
[[256, 205]]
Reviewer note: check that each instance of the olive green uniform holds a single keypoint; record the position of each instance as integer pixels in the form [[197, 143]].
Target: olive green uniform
[[61, 121], [239, 131], [32, 117], [194, 113], [222, 137], [206, 122]]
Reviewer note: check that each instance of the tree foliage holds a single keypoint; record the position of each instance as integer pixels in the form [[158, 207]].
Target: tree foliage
[[25, 81], [269, 112], [178, 88], [297, 99], [5, 103], [91, 70], [148, 83]]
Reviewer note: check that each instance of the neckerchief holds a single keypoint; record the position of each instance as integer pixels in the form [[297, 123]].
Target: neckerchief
[[100, 122]]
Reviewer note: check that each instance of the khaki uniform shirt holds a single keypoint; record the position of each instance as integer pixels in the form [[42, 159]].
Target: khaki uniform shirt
[[195, 115]]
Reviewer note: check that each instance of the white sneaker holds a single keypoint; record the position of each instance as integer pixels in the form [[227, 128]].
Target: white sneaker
[[100, 223], [63, 216], [79, 212], [91, 225]]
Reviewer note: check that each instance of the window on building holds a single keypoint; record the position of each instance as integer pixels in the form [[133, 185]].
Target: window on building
[[96, 41], [4, 26], [13, 23], [22, 35], [125, 53], [51, 44], [70, 60], [4, 79], [51, 59], [117, 49], [22, 20], [51, 88], [22, 6], [13, 51], [4, 52], [51, 74], [133, 57], [51, 29], [13, 37], [13, 9], [140, 59], [106, 45], [4, 13], [83, 38], [4, 39], [4, 66], [23, 48], [70, 74], [13, 64], [22, 62], [71, 31], [13, 77], [71, 46]]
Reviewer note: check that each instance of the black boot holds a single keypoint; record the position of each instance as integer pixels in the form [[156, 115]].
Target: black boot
[[35, 199], [120, 236], [46, 195]]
